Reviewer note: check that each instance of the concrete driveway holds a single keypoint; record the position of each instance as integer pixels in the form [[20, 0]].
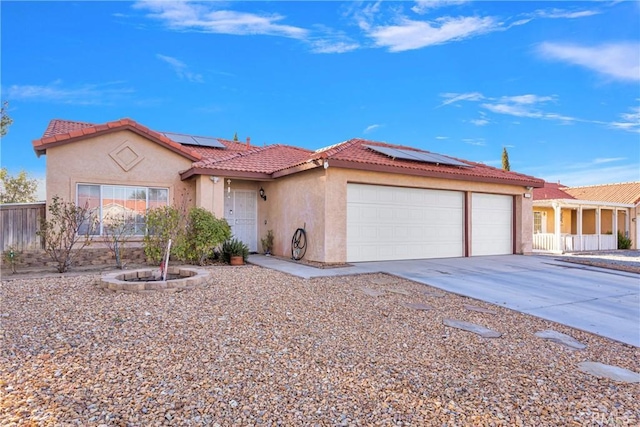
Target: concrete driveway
[[604, 302]]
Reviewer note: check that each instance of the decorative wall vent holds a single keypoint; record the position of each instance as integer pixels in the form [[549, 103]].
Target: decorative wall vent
[[125, 156]]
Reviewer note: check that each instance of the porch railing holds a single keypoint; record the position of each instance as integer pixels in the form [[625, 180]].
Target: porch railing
[[546, 242]]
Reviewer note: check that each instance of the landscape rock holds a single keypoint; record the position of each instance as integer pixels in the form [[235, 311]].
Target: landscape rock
[[615, 373], [561, 338], [472, 327]]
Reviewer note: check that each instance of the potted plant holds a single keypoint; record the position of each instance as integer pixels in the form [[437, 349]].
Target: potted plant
[[235, 252], [267, 243]]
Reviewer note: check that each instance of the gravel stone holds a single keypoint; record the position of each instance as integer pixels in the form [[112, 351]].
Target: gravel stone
[[290, 351]]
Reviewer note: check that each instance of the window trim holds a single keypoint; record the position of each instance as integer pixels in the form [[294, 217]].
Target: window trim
[[100, 208]]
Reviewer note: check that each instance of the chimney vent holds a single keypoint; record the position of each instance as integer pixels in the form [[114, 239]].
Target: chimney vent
[[248, 142]]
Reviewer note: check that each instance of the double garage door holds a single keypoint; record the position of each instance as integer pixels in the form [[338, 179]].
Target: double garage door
[[393, 223]]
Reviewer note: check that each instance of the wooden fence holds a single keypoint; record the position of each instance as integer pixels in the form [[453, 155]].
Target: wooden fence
[[19, 223]]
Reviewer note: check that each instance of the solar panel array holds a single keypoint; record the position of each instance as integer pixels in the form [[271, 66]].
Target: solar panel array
[[201, 141], [419, 156]]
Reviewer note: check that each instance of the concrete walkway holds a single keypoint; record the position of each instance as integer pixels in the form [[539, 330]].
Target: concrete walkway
[[604, 302]]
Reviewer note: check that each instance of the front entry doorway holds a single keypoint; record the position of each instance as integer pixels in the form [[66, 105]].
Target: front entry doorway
[[240, 211]]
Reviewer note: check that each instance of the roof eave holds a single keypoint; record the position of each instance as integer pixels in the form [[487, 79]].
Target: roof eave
[[43, 147], [227, 173], [578, 202], [535, 183]]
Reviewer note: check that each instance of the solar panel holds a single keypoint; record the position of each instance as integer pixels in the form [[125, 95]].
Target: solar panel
[[420, 156], [393, 152], [208, 142], [201, 141]]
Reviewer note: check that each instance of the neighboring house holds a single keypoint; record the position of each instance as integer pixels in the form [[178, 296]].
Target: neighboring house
[[358, 200], [567, 219]]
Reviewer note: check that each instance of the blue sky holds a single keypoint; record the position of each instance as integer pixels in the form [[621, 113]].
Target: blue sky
[[557, 83]]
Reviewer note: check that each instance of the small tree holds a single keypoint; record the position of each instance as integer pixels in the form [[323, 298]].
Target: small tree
[[505, 159], [162, 224], [18, 189], [235, 136], [5, 120], [117, 230], [69, 229]]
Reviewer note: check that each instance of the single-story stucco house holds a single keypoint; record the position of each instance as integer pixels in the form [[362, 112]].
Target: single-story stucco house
[[358, 200], [567, 219]]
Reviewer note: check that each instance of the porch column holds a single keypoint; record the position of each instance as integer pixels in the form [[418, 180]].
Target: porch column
[[579, 218], [615, 226], [598, 225], [557, 212]]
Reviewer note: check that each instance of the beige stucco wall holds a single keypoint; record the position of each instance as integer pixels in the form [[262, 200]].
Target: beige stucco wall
[[319, 198], [91, 161], [293, 202]]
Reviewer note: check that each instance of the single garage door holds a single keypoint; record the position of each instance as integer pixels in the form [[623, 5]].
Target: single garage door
[[393, 223], [491, 224]]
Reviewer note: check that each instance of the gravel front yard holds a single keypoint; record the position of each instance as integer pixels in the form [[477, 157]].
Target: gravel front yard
[[258, 347]]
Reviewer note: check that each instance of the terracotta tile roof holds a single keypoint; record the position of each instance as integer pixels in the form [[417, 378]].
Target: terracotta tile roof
[[258, 159], [264, 162], [626, 192], [57, 126], [355, 152], [73, 131], [551, 191]]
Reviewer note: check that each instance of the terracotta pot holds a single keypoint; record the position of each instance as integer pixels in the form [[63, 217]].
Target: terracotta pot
[[236, 260]]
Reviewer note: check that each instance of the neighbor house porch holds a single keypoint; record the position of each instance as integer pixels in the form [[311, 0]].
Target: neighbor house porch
[[578, 225]]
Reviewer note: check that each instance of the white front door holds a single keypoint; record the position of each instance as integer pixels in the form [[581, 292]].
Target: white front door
[[240, 211]]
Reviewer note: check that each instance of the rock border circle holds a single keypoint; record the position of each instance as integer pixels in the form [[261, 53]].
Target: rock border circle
[[189, 278]]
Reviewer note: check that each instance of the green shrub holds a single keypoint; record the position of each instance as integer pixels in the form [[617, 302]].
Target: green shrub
[[623, 241], [204, 233], [234, 247]]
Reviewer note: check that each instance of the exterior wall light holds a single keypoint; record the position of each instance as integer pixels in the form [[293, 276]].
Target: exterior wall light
[[262, 194]]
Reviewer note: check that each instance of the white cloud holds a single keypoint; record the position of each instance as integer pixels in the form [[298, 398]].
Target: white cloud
[[424, 6], [588, 173], [333, 46], [480, 122], [480, 142], [206, 18], [630, 121], [85, 94], [512, 109], [616, 60], [409, 34], [565, 14], [442, 137], [451, 98], [601, 160], [181, 69], [527, 99], [371, 128]]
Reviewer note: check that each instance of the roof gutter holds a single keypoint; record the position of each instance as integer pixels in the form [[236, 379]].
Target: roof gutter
[[256, 176], [576, 202], [535, 183]]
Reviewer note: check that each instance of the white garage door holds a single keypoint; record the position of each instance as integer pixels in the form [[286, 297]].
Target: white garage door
[[393, 223], [491, 224]]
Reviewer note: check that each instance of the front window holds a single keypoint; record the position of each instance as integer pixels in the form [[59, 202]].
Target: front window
[[537, 222], [120, 204]]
